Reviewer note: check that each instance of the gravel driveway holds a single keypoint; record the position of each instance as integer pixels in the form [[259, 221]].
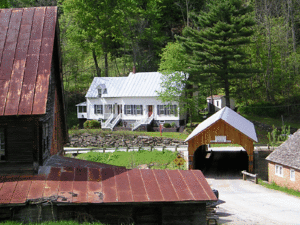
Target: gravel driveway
[[250, 203]]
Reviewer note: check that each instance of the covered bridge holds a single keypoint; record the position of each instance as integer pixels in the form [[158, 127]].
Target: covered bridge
[[225, 126]]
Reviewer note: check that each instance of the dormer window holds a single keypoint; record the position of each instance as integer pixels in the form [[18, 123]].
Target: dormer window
[[99, 93]]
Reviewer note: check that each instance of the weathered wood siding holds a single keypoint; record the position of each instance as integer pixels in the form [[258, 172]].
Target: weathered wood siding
[[221, 128], [138, 213], [21, 138]]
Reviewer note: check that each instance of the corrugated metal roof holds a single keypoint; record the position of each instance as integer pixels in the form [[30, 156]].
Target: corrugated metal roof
[[106, 185], [26, 46], [135, 85], [232, 118]]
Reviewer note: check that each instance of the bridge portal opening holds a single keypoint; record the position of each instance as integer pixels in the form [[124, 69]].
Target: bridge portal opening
[[215, 162]]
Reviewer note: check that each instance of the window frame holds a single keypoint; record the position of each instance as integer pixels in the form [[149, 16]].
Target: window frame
[[98, 109], [82, 109], [167, 110], [279, 170], [292, 174]]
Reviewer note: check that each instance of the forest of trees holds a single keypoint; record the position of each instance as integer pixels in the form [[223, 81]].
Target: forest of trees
[[260, 52]]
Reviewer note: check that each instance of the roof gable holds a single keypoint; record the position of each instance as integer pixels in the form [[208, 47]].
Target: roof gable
[[26, 47], [145, 84], [232, 118], [288, 153]]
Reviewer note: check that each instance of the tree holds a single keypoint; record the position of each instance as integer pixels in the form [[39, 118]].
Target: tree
[[215, 43], [176, 87]]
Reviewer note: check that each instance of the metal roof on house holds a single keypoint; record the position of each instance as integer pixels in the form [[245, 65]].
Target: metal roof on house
[[215, 96], [113, 86], [26, 46], [106, 185], [230, 117], [145, 84], [81, 104], [288, 153]]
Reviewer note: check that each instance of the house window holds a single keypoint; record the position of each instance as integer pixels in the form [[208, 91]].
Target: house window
[[217, 103], [98, 109], [99, 92], [279, 170], [2, 144], [292, 175], [134, 109], [167, 109], [82, 109]]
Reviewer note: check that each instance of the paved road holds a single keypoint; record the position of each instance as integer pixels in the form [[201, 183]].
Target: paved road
[[250, 203]]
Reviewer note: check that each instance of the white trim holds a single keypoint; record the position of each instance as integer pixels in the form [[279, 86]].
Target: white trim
[[292, 174], [279, 170]]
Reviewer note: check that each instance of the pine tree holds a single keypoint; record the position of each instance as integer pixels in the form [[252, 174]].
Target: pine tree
[[215, 42]]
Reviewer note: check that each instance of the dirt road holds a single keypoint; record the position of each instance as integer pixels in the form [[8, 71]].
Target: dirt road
[[250, 203]]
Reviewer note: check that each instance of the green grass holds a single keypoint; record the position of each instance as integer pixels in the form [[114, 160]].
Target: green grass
[[279, 188], [156, 159]]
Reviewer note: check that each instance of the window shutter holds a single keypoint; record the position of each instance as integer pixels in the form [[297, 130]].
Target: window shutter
[[165, 109], [95, 109], [134, 109], [141, 109], [125, 109], [158, 106]]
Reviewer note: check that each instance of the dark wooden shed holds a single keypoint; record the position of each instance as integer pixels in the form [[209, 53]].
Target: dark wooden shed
[[225, 126], [32, 119]]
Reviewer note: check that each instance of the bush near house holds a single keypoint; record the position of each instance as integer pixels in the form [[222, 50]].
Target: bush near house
[[91, 124], [167, 125]]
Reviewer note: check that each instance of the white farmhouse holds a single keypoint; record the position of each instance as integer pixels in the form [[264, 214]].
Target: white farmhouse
[[219, 102], [132, 100]]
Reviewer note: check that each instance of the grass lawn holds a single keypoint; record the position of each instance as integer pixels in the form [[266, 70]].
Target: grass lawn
[[278, 188], [156, 159]]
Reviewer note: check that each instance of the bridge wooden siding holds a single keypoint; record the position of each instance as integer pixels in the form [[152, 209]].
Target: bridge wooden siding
[[221, 128]]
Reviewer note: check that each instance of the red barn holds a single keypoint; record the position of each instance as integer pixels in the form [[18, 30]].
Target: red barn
[[32, 119]]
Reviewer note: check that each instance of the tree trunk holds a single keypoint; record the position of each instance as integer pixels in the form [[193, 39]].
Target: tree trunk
[[106, 65], [98, 70], [227, 93]]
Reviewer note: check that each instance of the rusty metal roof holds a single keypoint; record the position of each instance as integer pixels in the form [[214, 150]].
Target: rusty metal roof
[[26, 46], [106, 185]]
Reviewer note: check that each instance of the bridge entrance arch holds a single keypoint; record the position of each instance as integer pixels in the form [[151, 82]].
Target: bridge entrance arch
[[225, 126]]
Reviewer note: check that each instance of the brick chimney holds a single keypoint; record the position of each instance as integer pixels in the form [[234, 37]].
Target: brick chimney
[[133, 69]]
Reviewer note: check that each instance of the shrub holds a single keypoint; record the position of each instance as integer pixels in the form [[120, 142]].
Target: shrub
[[86, 124], [167, 125], [94, 124], [89, 124], [173, 124]]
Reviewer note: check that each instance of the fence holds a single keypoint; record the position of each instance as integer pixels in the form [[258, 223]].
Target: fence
[[69, 150]]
